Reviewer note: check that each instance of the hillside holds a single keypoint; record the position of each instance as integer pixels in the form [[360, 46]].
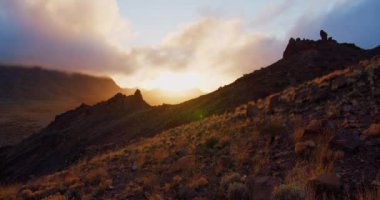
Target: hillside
[[85, 134], [105, 130], [318, 140]]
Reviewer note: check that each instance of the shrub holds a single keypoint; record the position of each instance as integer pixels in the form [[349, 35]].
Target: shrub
[[199, 182], [56, 197], [228, 179], [373, 130], [288, 192], [212, 142], [95, 176], [8, 192], [237, 191], [272, 129]]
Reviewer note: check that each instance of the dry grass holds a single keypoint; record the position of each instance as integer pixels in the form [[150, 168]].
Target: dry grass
[[9, 192], [198, 181], [56, 197], [368, 194], [319, 162], [207, 156]]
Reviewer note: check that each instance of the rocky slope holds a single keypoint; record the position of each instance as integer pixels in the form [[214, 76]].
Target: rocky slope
[[112, 127], [319, 140]]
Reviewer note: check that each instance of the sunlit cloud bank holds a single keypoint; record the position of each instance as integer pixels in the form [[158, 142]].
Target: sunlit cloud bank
[[92, 36], [81, 35], [215, 50]]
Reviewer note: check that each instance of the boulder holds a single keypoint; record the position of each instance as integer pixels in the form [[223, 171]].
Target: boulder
[[326, 184], [261, 187], [315, 126], [320, 94], [347, 141], [183, 164], [372, 131], [276, 104], [252, 111], [237, 191], [338, 82], [310, 132], [324, 35], [304, 147], [134, 167]]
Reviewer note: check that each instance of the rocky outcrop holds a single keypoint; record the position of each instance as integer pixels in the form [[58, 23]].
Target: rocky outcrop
[[304, 46], [323, 35]]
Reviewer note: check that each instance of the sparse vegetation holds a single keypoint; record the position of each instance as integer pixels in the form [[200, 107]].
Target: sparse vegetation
[[288, 192], [237, 191], [229, 156], [212, 142], [9, 192]]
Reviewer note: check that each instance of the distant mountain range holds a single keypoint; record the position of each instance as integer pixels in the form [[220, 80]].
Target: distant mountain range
[[88, 130], [30, 97], [39, 84]]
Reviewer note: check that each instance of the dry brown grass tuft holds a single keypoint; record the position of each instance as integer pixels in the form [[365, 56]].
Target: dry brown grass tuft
[[98, 179], [373, 130], [198, 182], [56, 197], [320, 161], [368, 194]]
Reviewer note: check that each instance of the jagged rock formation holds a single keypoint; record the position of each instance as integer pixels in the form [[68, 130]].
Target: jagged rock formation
[[328, 46], [69, 138], [323, 35]]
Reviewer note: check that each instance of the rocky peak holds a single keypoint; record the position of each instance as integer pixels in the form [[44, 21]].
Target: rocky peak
[[137, 94], [323, 35], [121, 101], [296, 46], [119, 96]]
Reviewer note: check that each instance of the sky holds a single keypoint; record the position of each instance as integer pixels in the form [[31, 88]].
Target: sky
[[176, 44]]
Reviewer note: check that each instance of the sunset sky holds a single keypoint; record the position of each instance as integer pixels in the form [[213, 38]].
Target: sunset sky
[[173, 44]]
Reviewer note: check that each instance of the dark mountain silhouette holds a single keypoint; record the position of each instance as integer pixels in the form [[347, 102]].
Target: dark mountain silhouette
[[89, 129], [21, 83], [35, 83], [30, 97]]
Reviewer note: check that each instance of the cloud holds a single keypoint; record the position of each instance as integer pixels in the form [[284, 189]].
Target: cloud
[[92, 36], [74, 35], [219, 50]]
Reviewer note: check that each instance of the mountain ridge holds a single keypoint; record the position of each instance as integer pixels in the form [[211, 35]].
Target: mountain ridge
[[304, 142], [30, 97], [289, 71]]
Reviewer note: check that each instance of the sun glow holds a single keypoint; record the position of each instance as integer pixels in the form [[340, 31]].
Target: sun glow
[[176, 82]]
